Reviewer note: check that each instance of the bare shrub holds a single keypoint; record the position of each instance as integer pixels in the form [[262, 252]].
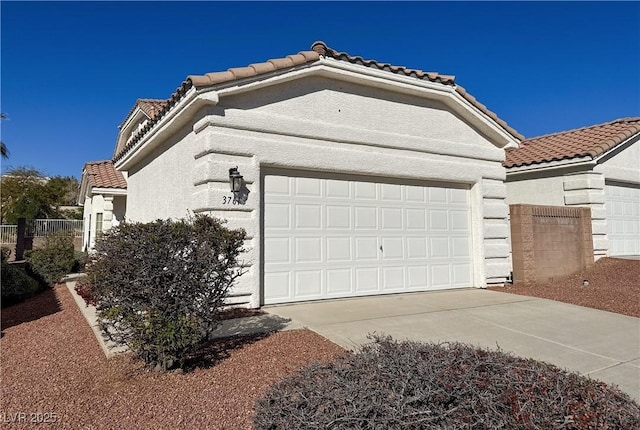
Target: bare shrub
[[410, 385]]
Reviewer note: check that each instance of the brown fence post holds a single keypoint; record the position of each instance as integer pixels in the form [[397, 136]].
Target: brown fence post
[[20, 239]]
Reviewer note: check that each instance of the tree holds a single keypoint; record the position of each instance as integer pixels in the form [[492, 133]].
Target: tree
[[4, 152], [28, 193]]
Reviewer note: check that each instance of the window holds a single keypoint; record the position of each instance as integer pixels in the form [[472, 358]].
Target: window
[[98, 224]]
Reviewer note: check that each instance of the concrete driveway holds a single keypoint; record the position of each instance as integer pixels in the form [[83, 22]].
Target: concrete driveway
[[600, 344]]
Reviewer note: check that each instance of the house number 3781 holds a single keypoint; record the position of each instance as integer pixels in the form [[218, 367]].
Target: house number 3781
[[229, 200]]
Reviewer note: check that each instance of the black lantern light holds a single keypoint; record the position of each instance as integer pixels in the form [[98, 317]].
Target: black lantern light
[[235, 179]]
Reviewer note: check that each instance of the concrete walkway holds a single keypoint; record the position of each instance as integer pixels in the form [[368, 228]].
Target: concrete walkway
[[600, 344]]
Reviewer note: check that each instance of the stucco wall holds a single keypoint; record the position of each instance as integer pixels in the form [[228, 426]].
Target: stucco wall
[[536, 191], [161, 185], [327, 126], [624, 166]]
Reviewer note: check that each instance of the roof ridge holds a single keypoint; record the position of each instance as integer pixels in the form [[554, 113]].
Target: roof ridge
[[324, 50]]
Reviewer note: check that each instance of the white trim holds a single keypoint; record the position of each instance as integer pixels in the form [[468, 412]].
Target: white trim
[[109, 191]]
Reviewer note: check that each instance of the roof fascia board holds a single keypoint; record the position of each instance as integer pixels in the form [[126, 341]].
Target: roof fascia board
[[84, 182], [174, 119], [137, 113], [586, 162], [110, 191], [617, 149]]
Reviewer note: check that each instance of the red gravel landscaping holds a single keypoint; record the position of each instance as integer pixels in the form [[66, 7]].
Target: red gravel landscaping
[[613, 285], [53, 371]]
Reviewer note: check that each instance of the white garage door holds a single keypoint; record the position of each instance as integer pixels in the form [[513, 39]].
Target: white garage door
[[326, 238], [623, 219]]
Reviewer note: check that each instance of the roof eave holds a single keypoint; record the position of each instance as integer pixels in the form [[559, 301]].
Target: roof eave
[[171, 121], [109, 191], [585, 161]]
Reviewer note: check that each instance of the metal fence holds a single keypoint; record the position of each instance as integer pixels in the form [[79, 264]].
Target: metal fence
[[8, 233], [41, 228], [44, 227]]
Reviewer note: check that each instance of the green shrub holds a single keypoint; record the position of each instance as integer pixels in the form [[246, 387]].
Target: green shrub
[[54, 259], [159, 285], [79, 261], [16, 284], [411, 385]]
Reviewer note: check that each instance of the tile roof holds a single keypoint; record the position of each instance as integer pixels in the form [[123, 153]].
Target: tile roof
[[151, 107], [102, 174], [591, 141], [318, 50]]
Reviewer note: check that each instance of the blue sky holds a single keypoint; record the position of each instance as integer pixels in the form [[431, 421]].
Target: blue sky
[[71, 71]]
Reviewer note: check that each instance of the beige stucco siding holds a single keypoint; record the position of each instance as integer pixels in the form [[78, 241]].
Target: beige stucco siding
[[539, 191], [320, 125], [624, 166], [161, 185]]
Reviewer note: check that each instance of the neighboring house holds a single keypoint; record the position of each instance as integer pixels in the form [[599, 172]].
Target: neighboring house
[[596, 166], [360, 177], [103, 193]]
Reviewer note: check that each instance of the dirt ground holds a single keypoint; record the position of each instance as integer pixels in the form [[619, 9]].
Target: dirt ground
[[613, 284]]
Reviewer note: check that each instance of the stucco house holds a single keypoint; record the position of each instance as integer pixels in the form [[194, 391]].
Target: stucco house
[[357, 177], [597, 167], [103, 193]]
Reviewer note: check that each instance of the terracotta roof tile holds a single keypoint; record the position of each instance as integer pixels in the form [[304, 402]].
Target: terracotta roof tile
[[102, 174], [150, 107], [591, 141], [318, 50]]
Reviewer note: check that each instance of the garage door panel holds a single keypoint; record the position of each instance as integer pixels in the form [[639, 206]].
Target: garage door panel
[[338, 217], [308, 216], [277, 250], [415, 194], [417, 248], [308, 249], [460, 247], [416, 219], [393, 278], [308, 284], [461, 274], [365, 191], [392, 248], [440, 275], [277, 216], [338, 249], [366, 248], [623, 219], [307, 187], [338, 189], [367, 280], [459, 221], [277, 286], [439, 247], [277, 185], [391, 218], [391, 192], [339, 282], [339, 238], [438, 219], [417, 278]]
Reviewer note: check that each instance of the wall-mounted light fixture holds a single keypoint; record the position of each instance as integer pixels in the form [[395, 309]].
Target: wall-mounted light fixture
[[235, 179]]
